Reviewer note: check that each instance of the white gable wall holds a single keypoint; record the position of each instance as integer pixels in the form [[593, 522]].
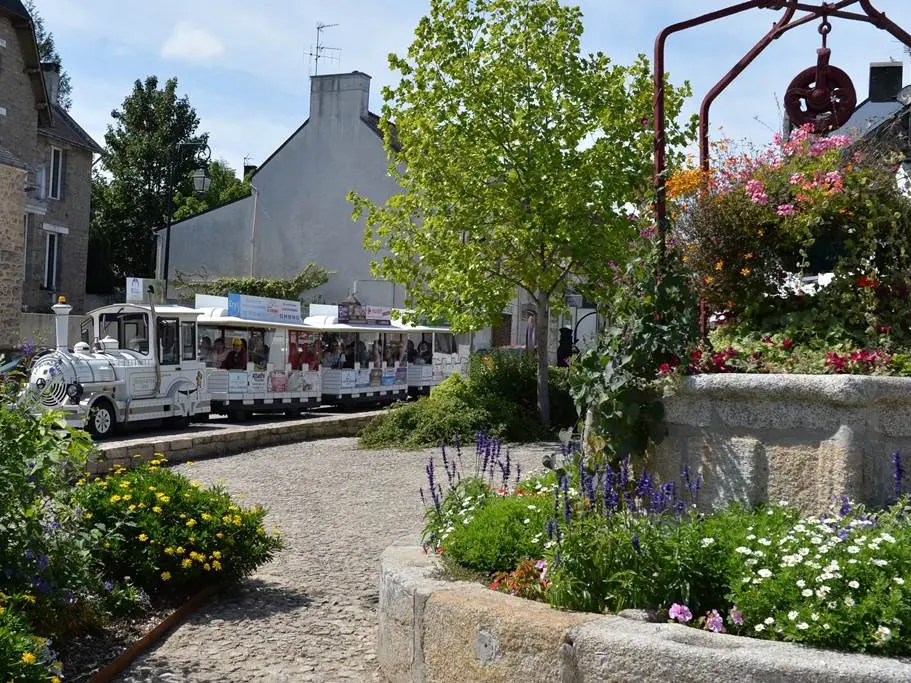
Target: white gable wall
[[302, 213]]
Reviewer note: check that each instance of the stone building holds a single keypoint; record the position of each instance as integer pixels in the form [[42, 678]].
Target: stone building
[[44, 226]]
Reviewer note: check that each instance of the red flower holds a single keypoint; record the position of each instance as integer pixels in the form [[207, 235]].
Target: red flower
[[767, 339], [786, 344], [866, 282], [665, 369]]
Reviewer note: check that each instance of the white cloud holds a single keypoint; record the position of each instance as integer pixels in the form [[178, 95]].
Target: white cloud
[[191, 44]]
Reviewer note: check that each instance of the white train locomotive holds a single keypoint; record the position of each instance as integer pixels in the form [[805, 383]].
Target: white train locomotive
[[140, 364]]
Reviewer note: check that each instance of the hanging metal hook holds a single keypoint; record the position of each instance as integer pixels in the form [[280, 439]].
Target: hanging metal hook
[[825, 28]]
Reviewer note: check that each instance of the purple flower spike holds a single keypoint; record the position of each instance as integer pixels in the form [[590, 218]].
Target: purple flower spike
[[898, 473]]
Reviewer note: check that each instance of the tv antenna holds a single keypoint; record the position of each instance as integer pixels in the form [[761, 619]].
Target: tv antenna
[[321, 51]]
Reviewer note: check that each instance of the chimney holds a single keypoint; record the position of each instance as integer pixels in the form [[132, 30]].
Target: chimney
[[339, 96], [885, 81], [51, 73]]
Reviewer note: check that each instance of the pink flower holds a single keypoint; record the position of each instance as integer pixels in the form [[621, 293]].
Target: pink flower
[[786, 210], [680, 613], [714, 622], [736, 616], [665, 369], [798, 179], [787, 344], [756, 192]]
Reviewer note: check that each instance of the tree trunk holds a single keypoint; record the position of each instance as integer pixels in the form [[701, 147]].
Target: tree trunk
[[542, 329]]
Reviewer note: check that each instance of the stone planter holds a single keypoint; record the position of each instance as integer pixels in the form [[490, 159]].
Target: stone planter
[[433, 631], [806, 439]]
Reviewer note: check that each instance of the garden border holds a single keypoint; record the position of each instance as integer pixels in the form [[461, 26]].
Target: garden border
[[439, 631], [149, 639]]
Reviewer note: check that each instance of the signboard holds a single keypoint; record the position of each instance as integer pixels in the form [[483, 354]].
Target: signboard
[[574, 300], [264, 309], [388, 377], [258, 382], [138, 290], [348, 379], [357, 314], [401, 375], [237, 382], [278, 382], [363, 377]]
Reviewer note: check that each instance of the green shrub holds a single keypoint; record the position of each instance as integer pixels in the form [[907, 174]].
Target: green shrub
[[49, 565], [24, 656], [502, 531], [443, 417], [169, 533], [499, 397]]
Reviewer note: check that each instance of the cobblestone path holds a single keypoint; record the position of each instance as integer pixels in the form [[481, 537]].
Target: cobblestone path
[[310, 614]]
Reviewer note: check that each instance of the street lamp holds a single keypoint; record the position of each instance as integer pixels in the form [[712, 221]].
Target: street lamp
[[201, 183]]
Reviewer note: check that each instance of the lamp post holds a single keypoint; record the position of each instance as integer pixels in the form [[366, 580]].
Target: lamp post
[[201, 183]]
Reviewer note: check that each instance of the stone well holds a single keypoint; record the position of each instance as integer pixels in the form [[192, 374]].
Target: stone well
[[431, 631], [806, 439]]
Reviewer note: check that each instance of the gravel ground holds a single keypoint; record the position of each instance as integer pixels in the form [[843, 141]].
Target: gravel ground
[[310, 614]]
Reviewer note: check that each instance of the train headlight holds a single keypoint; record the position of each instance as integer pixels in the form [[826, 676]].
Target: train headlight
[[74, 391]]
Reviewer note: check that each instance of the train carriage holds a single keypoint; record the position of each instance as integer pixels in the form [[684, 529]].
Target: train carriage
[[432, 354], [259, 356]]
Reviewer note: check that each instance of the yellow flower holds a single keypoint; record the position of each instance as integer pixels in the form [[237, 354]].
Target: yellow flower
[[237, 520], [152, 488], [217, 554], [219, 535], [191, 522], [760, 232], [2, 610], [719, 265], [233, 507], [748, 255], [206, 516], [180, 550], [124, 484], [80, 482], [142, 506], [165, 576], [115, 498], [29, 598], [28, 658], [216, 565], [226, 519], [708, 279], [156, 509], [143, 537], [132, 506], [55, 679], [187, 563], [206, 566], [169, 550], [194, 484], [87, 515], [127, 496], [164, 499], [744, 271]]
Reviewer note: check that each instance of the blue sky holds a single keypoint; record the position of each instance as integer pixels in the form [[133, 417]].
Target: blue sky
[[245, 68]]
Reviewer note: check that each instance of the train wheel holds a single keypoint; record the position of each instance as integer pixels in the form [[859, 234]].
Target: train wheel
[[102, 419]]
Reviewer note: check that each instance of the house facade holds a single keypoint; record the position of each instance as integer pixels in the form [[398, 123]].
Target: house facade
[[298, 209], [45, 174]]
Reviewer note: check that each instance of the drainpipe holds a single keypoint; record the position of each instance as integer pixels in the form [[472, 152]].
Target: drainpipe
[[253, 229]]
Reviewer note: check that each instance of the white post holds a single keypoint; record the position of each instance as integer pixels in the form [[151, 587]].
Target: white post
[[62, 311]]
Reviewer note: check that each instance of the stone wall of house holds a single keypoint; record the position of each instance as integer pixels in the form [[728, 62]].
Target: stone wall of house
[[71, 211], [12, 208], [19, 128]]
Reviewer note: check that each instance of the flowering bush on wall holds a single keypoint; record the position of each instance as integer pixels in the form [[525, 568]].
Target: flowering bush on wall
[[804, 205]]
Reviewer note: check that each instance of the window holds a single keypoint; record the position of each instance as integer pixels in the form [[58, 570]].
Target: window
[[50, 261], [168, 351], [188, 340], [131, 330], [56, 190], [41, 181]]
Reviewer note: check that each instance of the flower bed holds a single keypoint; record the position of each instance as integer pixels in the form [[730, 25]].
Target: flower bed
[[78, 555], [593, 537]]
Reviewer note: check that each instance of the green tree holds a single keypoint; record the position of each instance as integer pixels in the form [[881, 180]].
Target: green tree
[[310, 277], [518, 159], [141, 158], [47, 52], [225, 187]]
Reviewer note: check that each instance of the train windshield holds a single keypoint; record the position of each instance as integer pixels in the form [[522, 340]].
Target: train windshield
[[131, 330]]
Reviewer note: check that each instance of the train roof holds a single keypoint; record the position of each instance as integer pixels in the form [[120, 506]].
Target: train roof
[[164, 309], [331, 323], [218, 316], [411, 327]]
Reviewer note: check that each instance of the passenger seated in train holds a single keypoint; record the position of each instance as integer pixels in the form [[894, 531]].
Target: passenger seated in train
[[425, 355], [206, 352], [237, 357], [411, 353], [219, 352], [334, 357], [259, 354]]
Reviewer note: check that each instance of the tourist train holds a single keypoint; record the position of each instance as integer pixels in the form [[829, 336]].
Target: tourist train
[[236, 355]]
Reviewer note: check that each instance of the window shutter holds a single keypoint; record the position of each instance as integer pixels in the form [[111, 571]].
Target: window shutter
[[63, 175]]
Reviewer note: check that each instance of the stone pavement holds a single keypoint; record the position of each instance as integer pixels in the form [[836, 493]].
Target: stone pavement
[[310, 614]]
